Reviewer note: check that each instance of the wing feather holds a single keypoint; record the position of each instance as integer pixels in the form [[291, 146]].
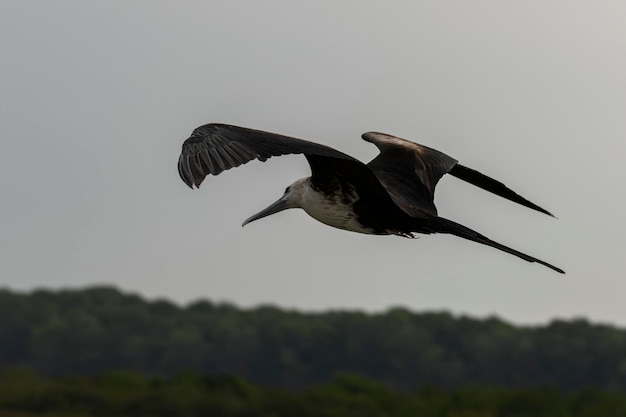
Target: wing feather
[[214, 148], [410, 172]]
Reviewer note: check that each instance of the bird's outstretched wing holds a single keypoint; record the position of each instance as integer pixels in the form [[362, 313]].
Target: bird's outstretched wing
[[214, 148], [409, 172], [487, 183]]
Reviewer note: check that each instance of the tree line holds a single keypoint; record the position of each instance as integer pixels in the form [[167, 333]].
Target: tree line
[[23, 393], [90, 331]]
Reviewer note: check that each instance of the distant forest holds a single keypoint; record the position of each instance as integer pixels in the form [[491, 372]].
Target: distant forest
[[91, 331], [126, 394]]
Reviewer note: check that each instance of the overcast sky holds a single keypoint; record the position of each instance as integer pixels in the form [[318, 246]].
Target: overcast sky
[[96, 99]]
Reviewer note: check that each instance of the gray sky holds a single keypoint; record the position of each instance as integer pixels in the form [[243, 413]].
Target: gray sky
[[97, 97]]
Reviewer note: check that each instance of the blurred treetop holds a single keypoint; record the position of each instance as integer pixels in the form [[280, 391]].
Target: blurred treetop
[[97, 329]]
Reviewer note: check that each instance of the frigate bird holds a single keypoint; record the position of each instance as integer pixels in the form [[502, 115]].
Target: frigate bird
[[391, 195]]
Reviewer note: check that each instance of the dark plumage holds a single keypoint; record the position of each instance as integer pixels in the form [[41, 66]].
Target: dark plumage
[[393, 194]]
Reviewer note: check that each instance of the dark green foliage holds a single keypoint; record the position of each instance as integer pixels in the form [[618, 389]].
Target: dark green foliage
[[126, 394], [87, 332]]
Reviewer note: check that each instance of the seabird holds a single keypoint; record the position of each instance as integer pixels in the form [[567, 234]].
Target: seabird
[[391, 195]]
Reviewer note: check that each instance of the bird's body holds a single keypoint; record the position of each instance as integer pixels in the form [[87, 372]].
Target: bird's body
[[335, 209], [393, 194], [339, 205]]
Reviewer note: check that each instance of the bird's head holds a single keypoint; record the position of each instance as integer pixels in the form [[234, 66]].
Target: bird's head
[[292, 198]]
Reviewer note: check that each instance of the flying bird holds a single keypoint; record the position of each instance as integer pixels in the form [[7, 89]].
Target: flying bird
[[391, 195]]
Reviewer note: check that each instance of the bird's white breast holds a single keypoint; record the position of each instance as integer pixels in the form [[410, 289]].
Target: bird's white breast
[[334, 210]]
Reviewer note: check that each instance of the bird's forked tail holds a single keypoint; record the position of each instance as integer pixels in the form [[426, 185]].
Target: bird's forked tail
[[442, 225]]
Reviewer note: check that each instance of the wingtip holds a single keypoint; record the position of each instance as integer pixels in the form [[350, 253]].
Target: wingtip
[[554, 268], [542, 210]]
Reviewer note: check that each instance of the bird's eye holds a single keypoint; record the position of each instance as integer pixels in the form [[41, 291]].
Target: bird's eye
[[287, 190]]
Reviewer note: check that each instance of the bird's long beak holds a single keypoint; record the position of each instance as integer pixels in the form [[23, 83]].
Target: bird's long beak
[[279, 205]]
